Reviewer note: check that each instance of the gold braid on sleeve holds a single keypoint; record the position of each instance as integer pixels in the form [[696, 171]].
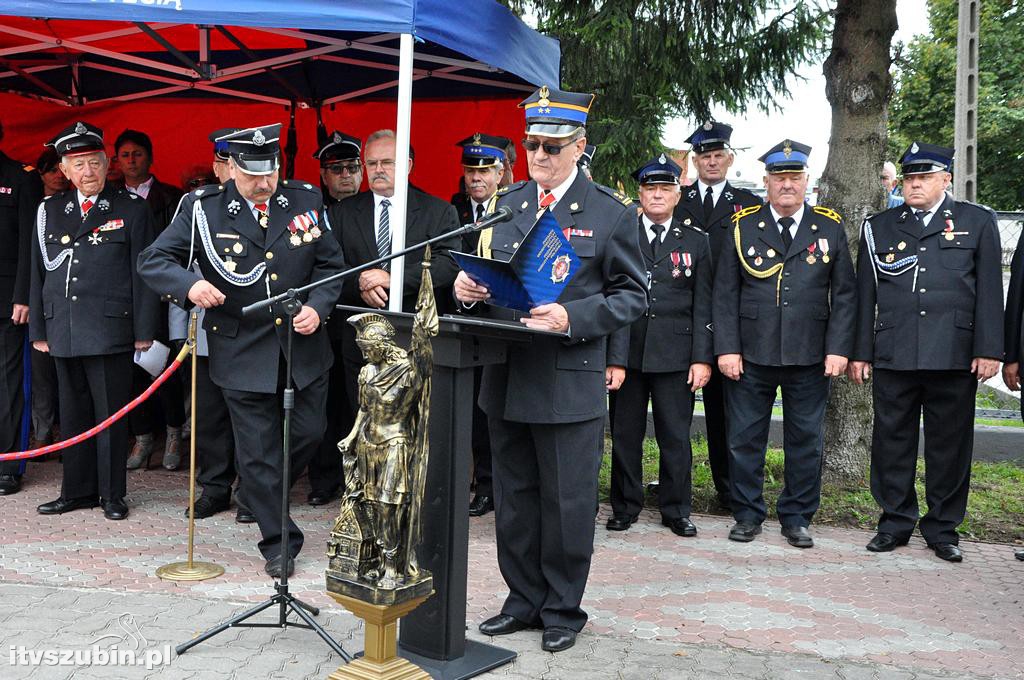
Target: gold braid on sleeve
[[483, 246]]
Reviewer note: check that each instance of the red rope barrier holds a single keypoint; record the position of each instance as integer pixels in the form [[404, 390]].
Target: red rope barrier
[[96, 429]]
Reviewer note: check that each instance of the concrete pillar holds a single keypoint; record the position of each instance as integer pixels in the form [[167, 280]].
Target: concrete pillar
[[965, 169]]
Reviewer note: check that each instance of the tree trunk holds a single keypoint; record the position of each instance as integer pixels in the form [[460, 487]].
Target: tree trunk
[[858, 86]]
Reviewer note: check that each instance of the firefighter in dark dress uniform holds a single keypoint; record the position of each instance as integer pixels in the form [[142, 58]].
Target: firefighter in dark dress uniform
[[255, 237], [91, 311], [483, 167], [932, 268], [667, 354], [546, 403], [20, 193], [710, 203], [784, 312]]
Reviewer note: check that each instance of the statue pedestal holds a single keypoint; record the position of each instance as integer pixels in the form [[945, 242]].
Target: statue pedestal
[[380, 660]]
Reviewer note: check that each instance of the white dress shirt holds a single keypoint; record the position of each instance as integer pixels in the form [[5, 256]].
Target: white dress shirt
[[649, 224], [716, 190], [560, 190], [143, 189], [797, 216]]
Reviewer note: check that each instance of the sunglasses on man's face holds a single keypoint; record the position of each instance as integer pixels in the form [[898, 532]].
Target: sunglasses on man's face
[[341, 168], [549, 149]]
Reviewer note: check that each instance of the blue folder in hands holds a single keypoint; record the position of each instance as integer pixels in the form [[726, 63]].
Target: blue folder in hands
[[540, 269]]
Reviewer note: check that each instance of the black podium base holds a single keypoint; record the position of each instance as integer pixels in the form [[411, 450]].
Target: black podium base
[[479, 658]]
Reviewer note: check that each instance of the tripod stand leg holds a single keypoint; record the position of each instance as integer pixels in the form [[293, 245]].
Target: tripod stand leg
[[299, 608], [185, 646], [315, 611]]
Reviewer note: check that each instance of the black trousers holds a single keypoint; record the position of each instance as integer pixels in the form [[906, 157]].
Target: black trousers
[[165, 408], [749, 403], [325, 471], [716, 423], [44, 394], [256, 419], [947, 400], [672, 406], [91, 389], [481, 442], [215, 442], [12, 396], [545, 483]]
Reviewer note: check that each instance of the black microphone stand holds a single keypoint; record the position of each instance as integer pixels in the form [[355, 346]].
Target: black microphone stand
[[291, 304]]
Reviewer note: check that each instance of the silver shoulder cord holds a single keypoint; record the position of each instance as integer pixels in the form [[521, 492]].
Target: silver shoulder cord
[[878, 268], [199, 221], [65, 254]]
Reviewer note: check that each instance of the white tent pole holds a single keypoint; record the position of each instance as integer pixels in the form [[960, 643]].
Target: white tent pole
[[403, 128]]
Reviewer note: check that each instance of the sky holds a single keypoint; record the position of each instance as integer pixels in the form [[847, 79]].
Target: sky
[[806, 116]]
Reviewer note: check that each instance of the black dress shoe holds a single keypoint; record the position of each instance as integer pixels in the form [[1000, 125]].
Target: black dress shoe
[[10, 484], [1019, 555], [503, 624], [208, 507], [947, 551], [883, 542], [273, 567], [744, 532], [798, 537], [619, 522], [480, 505], [557, 639], [680, 526], [115, 508], [317, 498], [62, 505], [244, 516]]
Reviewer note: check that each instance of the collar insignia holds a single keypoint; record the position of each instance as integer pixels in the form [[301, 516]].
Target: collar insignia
[[69, 207], [282, 201], [234, 207]]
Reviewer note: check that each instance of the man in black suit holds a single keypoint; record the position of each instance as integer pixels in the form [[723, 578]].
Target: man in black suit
[[546, 403], [341, 170], [92, 311], [932, 268], [483, 167], [710, 204], [784, 312], [20, 193], [134, 153], [255, 237], [667, 354], [362, 224]]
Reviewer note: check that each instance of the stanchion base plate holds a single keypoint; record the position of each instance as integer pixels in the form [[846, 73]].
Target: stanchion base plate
[[183, 571]]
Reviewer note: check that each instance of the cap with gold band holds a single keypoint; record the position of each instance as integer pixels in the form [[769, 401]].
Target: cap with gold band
[[483, 151], [556, 113], [77, 139], [786, 156], [255, 150]]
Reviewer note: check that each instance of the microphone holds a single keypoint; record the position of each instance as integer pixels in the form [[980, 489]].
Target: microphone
[[502, 214]]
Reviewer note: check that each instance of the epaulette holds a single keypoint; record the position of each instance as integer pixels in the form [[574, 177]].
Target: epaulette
[[621, 198], [746, 211], [827, 212], [28, 168], [208, 190], [511, 187], [698, 230], [293, 184]]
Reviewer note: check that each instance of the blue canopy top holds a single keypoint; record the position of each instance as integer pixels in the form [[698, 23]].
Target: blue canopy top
[[480, 29]]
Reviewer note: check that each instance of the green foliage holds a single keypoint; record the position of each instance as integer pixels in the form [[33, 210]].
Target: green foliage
[[995, 508], [923, 104], [650, 60]]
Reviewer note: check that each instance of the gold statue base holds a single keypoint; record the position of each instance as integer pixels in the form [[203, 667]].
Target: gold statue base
[[183, 571], [380, 660]]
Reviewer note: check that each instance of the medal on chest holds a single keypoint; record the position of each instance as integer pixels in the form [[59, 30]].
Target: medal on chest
[[811, 257], [823, 248]]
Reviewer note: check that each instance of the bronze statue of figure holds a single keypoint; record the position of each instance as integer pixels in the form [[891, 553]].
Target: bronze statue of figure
[[385, 455]]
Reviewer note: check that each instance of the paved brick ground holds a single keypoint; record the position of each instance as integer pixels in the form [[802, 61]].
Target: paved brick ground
[[661, 606]]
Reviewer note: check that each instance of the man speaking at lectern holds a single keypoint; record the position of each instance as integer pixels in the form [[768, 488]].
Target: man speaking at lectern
[[546, 403]]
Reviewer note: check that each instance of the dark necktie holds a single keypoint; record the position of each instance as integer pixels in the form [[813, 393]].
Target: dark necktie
[[384, 232], [709, 205], [479, 211], [263, 214], [921, 215], [656, 241], [787, 237]]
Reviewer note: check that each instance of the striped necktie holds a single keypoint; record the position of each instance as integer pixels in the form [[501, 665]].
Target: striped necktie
[[86, 207], [384, 232]]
